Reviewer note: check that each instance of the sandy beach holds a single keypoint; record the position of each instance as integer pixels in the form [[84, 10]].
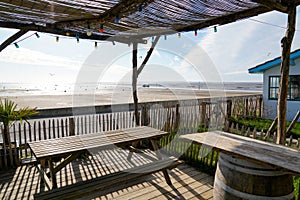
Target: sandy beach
[[117, 97]]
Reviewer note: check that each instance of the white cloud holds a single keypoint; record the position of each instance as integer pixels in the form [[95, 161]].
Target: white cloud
[[246, 43], [31, 57]]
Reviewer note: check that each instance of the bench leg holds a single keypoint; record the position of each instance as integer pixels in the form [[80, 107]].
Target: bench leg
[[165, 172]]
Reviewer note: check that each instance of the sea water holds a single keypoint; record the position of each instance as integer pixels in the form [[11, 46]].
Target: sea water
[[25, 89]]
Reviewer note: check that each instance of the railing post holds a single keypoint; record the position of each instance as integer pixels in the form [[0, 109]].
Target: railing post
[[71, 126], [246, 107], [229, 107], [145, 120], [203, 114], [260, 106]]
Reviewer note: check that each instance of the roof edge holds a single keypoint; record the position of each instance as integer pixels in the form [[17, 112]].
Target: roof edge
[[272, 63]]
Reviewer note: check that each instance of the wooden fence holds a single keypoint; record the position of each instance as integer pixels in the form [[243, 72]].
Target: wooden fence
[[176, 117]]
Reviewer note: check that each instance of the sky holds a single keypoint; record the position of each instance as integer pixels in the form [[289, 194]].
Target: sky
[[225, 55]]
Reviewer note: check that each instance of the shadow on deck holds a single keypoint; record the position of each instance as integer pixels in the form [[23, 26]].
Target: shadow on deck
[[188, 182]]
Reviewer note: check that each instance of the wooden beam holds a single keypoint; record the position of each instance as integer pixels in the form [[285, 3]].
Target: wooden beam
[[57, 31], [293, 122], [272, 5], [149, 53], [286, 43], [225, 19], [13, 38], [124, 7]]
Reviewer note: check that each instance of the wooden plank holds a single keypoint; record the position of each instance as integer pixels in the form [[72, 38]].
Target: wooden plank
[[263, 152], [75, 143], [110, 180]]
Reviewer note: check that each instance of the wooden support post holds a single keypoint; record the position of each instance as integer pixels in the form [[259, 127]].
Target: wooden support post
[[135, 73], [286, 43], [134, 83]]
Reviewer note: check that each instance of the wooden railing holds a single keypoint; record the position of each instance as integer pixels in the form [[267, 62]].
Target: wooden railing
[[176, 117]]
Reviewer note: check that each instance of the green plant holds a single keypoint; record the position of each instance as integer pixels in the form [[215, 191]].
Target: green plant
[[296, 186], [263, 124], [10, 114]]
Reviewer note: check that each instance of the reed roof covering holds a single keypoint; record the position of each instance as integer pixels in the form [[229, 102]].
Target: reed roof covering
[[128, 18]]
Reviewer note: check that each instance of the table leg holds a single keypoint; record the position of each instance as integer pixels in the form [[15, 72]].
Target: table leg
[[158, 154], [52, 174], [44, 177]]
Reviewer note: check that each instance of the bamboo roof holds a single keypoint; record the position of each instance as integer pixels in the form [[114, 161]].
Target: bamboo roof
[[128, 19]]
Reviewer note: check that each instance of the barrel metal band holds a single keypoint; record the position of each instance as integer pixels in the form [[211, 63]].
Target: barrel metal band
[[250, 171], [249, 196]]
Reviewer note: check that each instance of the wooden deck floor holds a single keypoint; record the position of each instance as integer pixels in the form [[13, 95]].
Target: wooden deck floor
[[188, 182]]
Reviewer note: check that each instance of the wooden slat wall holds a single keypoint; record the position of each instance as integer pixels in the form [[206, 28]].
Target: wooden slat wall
[[182, 118]]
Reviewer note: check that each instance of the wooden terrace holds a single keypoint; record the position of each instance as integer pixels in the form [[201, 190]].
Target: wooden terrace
[[188, 182]]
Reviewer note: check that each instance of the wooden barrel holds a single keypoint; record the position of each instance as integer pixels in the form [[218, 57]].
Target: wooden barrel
[[237, 178]]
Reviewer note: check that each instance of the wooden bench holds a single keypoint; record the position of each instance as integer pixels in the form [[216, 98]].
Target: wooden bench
[[91, 186]]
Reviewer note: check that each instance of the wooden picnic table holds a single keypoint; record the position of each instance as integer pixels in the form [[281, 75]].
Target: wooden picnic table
[[71, 147], [250, 168], [264, 152]]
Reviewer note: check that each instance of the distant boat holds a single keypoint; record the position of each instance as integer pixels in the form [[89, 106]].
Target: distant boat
[[146, 85]]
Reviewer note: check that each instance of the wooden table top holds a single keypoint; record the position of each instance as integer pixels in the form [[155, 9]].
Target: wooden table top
[[59, 146], [264, 152]]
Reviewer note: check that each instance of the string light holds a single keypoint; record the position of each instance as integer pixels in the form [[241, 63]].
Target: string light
[[16, 45], [117, 19], [77, 37], [89, 31], [67, 34], [101, 28], [96, 45], [140, 8], [57, 39], [152, 39], [196, 33], [37, 35], [215, 29]]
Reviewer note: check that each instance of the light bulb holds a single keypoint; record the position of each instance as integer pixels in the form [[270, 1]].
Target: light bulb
[[57, 39], [215, 29], [16, 45], [101, 28], [89, 32], [117, 19], [37, 35]]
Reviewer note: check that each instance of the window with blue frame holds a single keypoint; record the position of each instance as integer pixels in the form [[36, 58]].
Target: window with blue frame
[[293, 89]]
